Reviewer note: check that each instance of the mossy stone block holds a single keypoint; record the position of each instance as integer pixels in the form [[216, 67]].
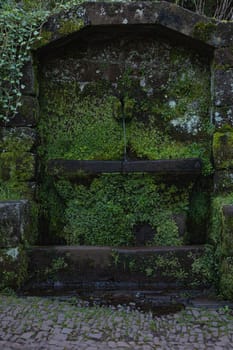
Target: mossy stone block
[[15, 222], [226, 278], [223, 87], [223, 149], [223, 181], [227, 230], [17, 167], [27, 114], [13, 267], [223, 117], [223, 58]]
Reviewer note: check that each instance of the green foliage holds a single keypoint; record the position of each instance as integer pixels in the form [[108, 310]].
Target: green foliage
[[20, 29], [80, 127], [51, 272], [13, 268], [205, 267], [107, 211], [18, 32]]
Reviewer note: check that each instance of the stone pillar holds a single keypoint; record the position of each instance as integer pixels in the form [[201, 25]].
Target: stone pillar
[[223, 163], [18, 218]]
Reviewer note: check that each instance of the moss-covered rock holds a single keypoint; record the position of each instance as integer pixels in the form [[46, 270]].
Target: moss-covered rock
[[69, 26], [13, 267], [223, 149], [226, 279], [18, 222]]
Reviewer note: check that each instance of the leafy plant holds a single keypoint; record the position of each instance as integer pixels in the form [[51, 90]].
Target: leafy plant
[[107, 212]]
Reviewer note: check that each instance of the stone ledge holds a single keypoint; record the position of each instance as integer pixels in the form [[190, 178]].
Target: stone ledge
[[75, 168], [77, 265]]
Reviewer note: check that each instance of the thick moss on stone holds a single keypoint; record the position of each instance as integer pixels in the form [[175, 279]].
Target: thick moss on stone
[[107, 212], [223, 149], [164, 94], [70, 26], [83, 126], [45, 37], [17, 163], [204, 31]]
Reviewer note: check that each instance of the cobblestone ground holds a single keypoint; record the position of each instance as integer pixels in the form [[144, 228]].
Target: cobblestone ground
[[40, 323]]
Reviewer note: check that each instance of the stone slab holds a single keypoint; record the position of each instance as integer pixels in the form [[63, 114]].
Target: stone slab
[[73, 266], [72, 168]]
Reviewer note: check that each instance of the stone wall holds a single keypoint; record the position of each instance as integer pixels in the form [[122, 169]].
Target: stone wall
[[18, 210], [168, 71]]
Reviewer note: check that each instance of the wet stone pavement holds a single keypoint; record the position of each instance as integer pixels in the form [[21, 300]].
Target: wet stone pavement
[[42, 323]]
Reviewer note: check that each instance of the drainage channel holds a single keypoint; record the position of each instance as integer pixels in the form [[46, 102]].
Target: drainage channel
[[146, 301]]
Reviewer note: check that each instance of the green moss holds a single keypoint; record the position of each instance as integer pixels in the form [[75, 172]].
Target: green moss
[[166, 120], [129, 106], [83, 126], [226, 280], [44, 39], [70, 26], [204, 31], [107, 212], [223, 149], [17, 164], [13, 268]]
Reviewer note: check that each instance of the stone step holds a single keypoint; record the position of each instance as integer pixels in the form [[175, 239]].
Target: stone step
[[72, 168], [107, 267]]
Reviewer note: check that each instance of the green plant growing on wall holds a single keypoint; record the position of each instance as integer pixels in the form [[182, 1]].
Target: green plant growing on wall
[[83, 126], [107, 211]]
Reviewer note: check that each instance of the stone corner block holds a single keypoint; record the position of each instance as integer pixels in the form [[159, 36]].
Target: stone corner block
[[223, 149], [14, 222], [27, 114]]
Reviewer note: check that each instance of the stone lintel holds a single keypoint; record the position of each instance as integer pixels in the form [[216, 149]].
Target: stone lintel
[[75, 168]]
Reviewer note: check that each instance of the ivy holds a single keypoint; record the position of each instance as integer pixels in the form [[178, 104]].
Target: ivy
[[20, 27]]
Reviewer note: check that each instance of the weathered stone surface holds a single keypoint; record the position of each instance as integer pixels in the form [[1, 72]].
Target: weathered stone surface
[[223, 116], [223, 150], [226, 278], [13, 267], [14, 222], [223, 36], [227, 231], [223, 181], [75, 266], [181, 222], [71, 168], [17, 138], [223, 87], [27, 115], [29, 79], [223, 58], [17, 167], [162, 13]]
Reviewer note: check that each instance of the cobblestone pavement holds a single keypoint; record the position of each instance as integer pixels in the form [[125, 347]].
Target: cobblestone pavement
[[40, 323]]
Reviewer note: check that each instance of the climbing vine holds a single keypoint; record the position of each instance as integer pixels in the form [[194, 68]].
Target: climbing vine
[[20, 26]]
